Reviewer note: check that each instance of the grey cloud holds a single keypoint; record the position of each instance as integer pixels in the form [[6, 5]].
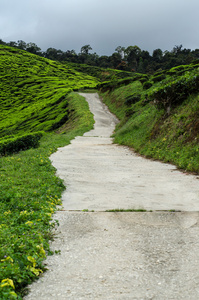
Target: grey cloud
[[104, 24]]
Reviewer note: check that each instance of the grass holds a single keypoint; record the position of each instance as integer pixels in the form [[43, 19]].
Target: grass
[[35, 94], [126, 210], [169, 134], [29, 194]]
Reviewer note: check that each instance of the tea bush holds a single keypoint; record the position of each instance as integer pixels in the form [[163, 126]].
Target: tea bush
[[175, 92], [163, 123], [34, 91], [18, 143]]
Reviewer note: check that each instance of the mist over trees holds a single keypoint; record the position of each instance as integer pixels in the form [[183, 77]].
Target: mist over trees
[[131, 58]]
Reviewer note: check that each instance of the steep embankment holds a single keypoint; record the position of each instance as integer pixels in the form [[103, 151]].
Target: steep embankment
[[34, 90], [159, 116]]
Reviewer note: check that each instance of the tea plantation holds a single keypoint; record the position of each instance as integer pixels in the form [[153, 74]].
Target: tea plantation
[[36, 99], [40, 112], [159, 115], [34, 90]]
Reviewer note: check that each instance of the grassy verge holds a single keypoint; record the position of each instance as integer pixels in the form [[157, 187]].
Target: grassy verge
[[126, 210], [153, 132], [29, 194]]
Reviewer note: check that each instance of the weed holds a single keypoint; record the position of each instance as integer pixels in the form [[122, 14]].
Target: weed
[[126, 210]]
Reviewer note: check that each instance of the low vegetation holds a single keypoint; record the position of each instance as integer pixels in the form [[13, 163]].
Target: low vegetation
[[17, 143], [160, 120], [40, 111], [29, 193], [126, 210], [35, 94], [34, 90]]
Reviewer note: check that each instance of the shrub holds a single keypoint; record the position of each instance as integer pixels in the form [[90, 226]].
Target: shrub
[[132, 99], [176, 91], [16, 144], [147, 85], [158, 78]]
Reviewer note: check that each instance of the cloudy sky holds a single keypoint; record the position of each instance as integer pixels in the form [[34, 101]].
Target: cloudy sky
[[104, 24]]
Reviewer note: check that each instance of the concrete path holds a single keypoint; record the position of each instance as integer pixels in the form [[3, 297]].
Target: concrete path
[[152, 255]]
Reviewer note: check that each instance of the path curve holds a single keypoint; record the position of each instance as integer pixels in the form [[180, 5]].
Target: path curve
[[100, 175], [104, 255]]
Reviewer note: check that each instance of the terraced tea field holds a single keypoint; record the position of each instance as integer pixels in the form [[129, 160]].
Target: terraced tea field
[[34, 90]]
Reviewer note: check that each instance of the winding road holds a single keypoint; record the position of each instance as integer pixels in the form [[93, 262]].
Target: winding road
[[121, 255]]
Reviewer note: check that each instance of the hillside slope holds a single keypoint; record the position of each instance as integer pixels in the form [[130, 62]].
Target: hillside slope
[[34, 90], [160, 116]]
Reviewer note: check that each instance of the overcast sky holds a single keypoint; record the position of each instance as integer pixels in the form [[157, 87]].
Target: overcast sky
[[104, 24]]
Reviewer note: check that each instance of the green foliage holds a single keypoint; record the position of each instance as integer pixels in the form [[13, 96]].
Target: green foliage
[[159, 77], [147, 85], [171, 136], [126, 210], [29, 195], [179, 70], [130, 59], [117, 98], [18, 143], [101, 74], [33, 91], [173, 92], [132, 99], [116, 83]]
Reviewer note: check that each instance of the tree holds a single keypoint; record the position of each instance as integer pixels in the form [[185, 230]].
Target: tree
[[157, 55], [104, 61], [140, 68], [85, 49], [70, 55], [115, 60], [21, 45], [51, 53], [135, 50], [92, 59], [2, 42], [132, 55], [120, 50], [196, 53], [176, 49], [145, 55], [33, 48], [12, 44]]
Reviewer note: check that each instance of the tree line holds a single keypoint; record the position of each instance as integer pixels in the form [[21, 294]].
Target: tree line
[[131, 58]]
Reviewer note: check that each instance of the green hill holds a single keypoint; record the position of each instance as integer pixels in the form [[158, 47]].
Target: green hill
[[160, 115], [34, 91]]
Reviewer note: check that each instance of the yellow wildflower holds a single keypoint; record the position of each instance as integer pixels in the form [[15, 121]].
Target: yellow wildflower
[[7, 212], [41, 250], [7, 259], [23, 212], [29, 223], [32, 260], [7, 282], [34, 270]]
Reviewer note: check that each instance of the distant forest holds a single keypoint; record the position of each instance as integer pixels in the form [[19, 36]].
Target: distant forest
[[131, 58]]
